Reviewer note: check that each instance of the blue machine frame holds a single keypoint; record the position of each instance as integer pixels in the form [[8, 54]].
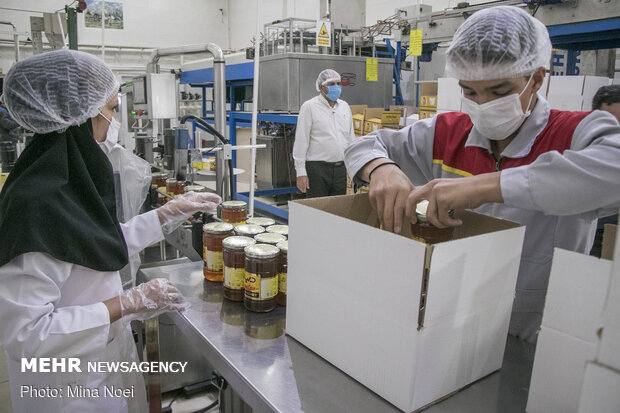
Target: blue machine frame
[[239, 75]]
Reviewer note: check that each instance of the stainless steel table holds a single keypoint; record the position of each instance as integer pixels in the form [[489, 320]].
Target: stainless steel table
[[273, 372]]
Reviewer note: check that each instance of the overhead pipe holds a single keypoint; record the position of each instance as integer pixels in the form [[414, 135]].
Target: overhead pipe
[[255, 108], [219, 93], [15, 39]]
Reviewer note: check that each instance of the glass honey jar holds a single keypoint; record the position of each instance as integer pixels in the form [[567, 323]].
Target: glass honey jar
[[234, 266], [269, 238], [424, 231], [234, 212], [278, 229], [194, 188], [262, 221], [248, 230], [171, 186], [158, 179], [261, 277], [282, 272], [213, 235]]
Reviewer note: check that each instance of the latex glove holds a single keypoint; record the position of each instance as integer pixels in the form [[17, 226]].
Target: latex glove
[[151, 299], [175, 212]]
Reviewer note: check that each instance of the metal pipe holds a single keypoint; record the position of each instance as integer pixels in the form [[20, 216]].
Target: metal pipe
[[254, 111], [103, 30], [219, 96], [15, 39]]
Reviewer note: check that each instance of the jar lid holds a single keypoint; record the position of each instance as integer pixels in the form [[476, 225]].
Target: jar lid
[[283, 245], [217, 227], [420, 210], [234, 204], [278, 229], [269, 238], [171, 180], [159, 174], [237, 242], [265, 222], [195, 188], [249, 229], [261, 251]]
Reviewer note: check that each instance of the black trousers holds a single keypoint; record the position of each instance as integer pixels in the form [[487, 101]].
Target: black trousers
[[326, 178]]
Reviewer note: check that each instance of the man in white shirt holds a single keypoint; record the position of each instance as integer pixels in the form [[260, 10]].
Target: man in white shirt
[[324, 130]]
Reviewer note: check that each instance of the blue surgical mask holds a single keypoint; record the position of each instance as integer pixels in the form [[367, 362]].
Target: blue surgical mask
[[333, 92]]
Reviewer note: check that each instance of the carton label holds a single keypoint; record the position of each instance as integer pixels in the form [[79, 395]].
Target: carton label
[[282, 282], [234, 278], [260, 289], [214, 260]]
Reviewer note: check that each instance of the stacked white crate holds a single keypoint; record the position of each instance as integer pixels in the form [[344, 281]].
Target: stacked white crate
[[577, 362], [574, 93]]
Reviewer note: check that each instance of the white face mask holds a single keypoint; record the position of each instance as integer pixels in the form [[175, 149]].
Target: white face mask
[[111, 137], [498, 118]]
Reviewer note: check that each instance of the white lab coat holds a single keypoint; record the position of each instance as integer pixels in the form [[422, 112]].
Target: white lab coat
[[52, 308]]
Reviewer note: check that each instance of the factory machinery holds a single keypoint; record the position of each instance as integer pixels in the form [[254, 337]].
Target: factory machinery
[[251, 359]]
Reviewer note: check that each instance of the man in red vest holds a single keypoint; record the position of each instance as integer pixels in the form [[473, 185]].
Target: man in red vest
[[554, 171]]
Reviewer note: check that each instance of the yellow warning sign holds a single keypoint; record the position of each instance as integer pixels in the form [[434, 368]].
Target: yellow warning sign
[[415, 42], [372, 70], [323, 33]]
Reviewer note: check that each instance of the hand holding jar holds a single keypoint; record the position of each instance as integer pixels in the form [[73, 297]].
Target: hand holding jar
[[178, 210]]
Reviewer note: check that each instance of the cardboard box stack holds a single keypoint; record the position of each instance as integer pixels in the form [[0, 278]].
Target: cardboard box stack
[[574, 93], [428, 99], [410, 321], [357, 111], [571, 372]]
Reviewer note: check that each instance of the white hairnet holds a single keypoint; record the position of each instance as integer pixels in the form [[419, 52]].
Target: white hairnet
[[496, 43], [327, 75], [54, 90]]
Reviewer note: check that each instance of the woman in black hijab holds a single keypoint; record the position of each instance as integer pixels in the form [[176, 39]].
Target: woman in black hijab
[[61, 244]]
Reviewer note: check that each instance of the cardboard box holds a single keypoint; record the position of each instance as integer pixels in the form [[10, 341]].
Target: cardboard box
[[411, 119], [609, 241], [601, 390], [568, 338], [429, 102], [608, 353], [372, 116], [357, 112], [565, 102], [574, 92], [412, 322], [390, 118], [405, 111], [591, 85], [425, 114], [448, 94]]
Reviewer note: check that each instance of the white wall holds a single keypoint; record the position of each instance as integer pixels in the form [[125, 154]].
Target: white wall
[[243, 16], [147, 23]]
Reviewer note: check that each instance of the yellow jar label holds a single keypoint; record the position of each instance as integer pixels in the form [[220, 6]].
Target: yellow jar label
[[234, 278], [214, 260], [260, 289], [282, 282], [268, 288]]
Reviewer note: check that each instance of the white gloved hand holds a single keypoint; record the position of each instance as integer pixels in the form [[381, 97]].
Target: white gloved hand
[[151, 299], [175, 212]]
